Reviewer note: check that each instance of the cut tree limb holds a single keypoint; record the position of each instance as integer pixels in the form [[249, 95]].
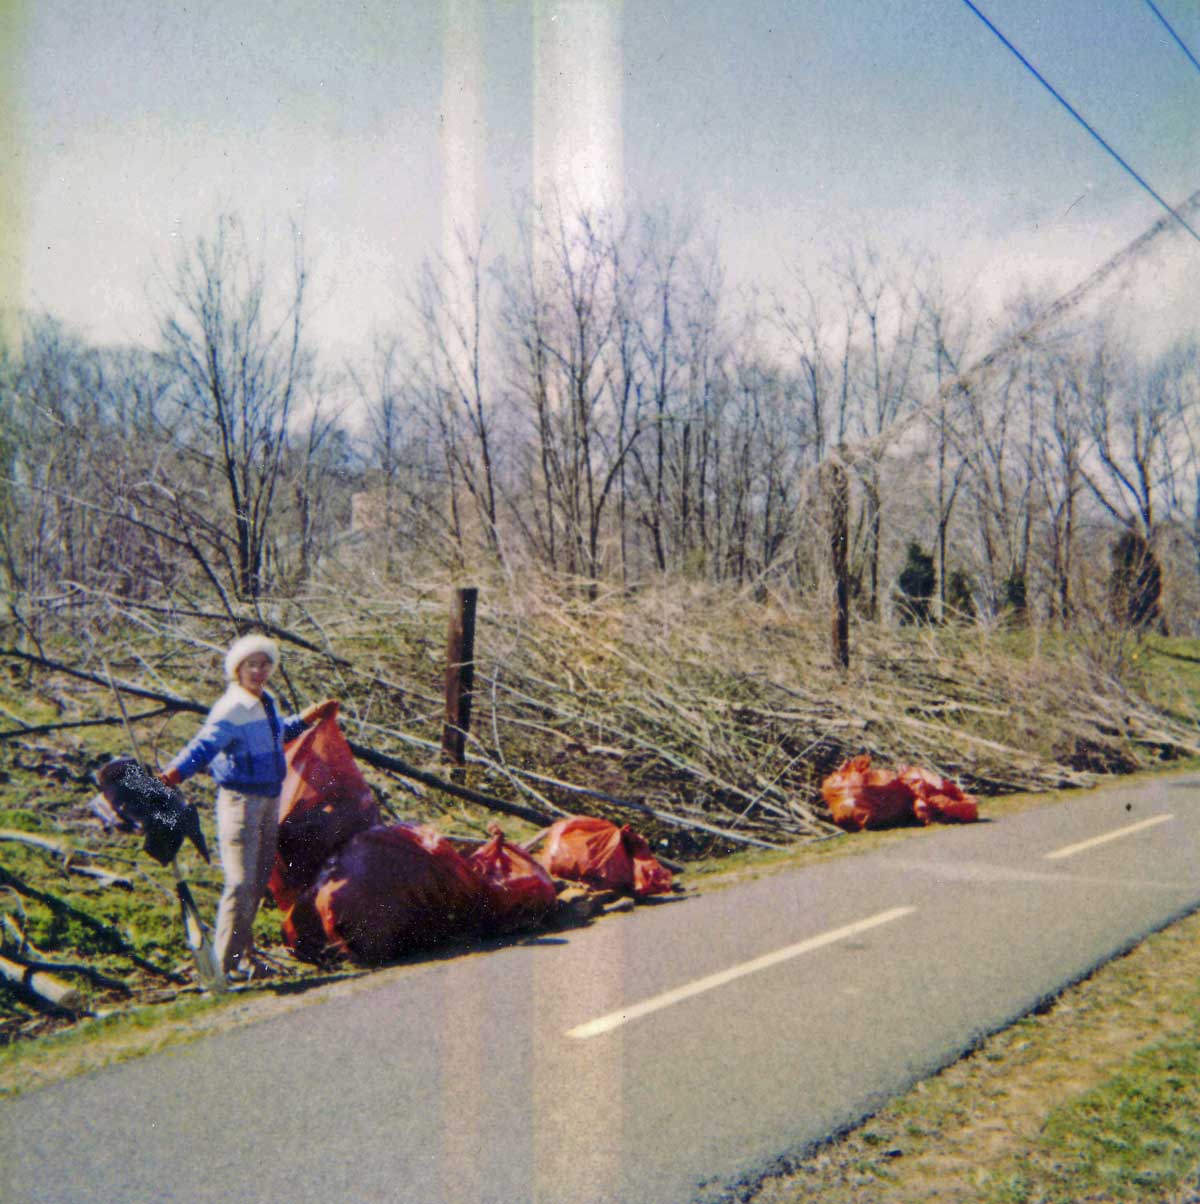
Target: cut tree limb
[[171, 700], [35, 958], [106, 721], [68, 855], [115, 941], [44, 987], [396, 765]]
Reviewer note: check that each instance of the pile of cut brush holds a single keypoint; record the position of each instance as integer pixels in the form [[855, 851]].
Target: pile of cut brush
[[706, 719], [717, 720]]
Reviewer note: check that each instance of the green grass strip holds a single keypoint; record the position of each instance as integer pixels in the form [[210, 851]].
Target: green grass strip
[[1136, 1137]]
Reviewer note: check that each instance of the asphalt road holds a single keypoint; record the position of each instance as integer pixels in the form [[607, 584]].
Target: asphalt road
[[664, 1056]]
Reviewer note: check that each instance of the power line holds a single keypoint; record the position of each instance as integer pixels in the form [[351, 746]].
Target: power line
[[1178, 40], [1070, 299], [1079, 117]]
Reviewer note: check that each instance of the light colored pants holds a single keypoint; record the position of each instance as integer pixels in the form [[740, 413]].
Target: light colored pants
[[247, 827]]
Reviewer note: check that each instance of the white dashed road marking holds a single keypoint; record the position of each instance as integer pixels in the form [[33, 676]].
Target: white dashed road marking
[[1116, 834], [605, 1024]]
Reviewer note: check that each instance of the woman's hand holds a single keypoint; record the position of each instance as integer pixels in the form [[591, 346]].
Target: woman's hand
[[314, 713]]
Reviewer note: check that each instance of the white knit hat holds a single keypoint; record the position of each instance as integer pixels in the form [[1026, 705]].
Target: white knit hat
[[248, 645]]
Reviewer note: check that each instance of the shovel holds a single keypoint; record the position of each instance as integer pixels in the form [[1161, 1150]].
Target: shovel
[[195, 931]]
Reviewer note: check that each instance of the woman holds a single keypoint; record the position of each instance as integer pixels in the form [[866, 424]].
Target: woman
[[241, 744]]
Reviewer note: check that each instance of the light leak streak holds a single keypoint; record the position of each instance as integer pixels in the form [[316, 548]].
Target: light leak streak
[[605, 1024], [1071, 849]]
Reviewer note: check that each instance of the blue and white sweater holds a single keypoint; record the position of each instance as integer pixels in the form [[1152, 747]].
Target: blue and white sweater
[[241, 743]]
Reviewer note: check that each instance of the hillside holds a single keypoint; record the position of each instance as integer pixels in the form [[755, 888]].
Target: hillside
[[705, 718]]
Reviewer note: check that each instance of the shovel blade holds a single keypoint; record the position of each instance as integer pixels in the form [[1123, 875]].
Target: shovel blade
[[208, 968]]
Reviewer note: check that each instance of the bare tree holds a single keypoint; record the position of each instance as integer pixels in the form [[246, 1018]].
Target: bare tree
[[1134, 428], [822, 364], [320, 475], [562, 317], [662, 253], [452, 311], [883, 332], [1058, 463], [241, 364], [704, 353], [1130, 416], [1179, 373], [948, 331]]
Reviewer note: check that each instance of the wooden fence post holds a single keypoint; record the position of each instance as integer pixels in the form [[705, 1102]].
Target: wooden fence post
[[460, 674], [837, 491]]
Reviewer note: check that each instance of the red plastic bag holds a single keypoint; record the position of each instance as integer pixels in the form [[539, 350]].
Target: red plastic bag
[[324, 802], [387, 892], [650, 876], [516, 891], [602, 855], [937, 799], [861, 797]]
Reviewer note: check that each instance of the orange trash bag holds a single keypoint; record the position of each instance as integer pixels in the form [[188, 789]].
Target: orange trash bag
[[387, 892], [650, 876], [937, 799], [516, 891], [860, 797], [600, 854], [325, 800]]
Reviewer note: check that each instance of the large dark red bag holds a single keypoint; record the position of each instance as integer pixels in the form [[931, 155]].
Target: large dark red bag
[[861, 797], [387, 892], [324, 802], [937, 799], [516, 891], [600, 854]]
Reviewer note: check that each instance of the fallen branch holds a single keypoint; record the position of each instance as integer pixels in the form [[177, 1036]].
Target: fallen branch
[[116, 942], [267, 627], [40, 842], [107, 721], [514, 774], [36, 959], [172, 701], [103, 877], [665, 817], [68, 854], [370, 756], [396, 765], [45, 988]]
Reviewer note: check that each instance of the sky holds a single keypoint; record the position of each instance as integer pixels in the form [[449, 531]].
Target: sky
[[790, 128]]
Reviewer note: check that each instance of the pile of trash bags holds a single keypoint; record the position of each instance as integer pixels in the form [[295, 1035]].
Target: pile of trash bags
[[859, 797], [353, 886]]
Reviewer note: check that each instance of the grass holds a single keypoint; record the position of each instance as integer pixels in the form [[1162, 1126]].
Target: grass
[[134, 1032], [1139, 1132], [1170, 673]]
